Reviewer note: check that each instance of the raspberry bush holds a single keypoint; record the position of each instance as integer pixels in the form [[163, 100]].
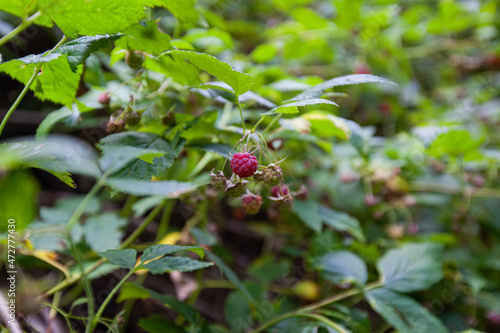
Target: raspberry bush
[[249, 166]]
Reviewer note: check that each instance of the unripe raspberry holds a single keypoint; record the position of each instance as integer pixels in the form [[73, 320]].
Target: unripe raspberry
[[493, 317], [277, 192], [218, 180], [133, 118], [347, 178], [134, 59], [413, 229], [168, 119], [243, 164], [257, 176], [104, 98], [251, 203], [272, 174], [115, 125], [235, 190]]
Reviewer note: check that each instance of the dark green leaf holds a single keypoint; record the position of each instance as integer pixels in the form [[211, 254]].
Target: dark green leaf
[[292, 107], [412, 267], [403, 313], [341, 221], [121, 258], [104, 232], [170, 264], [343, 266], [156, 251], [317, 91], [167, 188], [158, 324]]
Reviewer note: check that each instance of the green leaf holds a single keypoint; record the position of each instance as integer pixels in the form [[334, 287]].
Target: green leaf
[[185, 310], [342, 266], [455, 143], [317, 90], [158, 324], [121, 258], [341, 221], [56, 81], [267, 269], [231, 276], [403, 313], [137, 168], [183, 10], [15, 7], [51, 120], [292, 107], [170, 264], [240, 82], [238, 312], [308, 212], [104, 232], [167, 188], [146, 37], [412, 267], [130, 290], [82, 17], [218, 148], [78, 50], [156, 251], [115, 159]]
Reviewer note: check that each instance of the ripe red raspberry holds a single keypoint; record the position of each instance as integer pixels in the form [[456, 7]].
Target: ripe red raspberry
[[272, 175], [251, 203], [276, 192], [244, 164]]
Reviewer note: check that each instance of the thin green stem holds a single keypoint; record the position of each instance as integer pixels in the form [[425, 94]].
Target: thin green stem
[[137, 232], [130, 239], [241, 115], [20, 28], [98, 315], [83, 205], [165, 219], [257, 124], [324, 320], [26, 87], [303, 311], [19, 99], [271, 124]]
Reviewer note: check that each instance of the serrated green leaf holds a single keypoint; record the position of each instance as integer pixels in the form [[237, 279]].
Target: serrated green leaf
[[104, 232], [403, 313], [136, 168], [170, 264], [146, 37], [412, 267], [78, 50], [342, 266], [341, 221], [55, 82], [308, 212], [317, 90], [240, 82], [183, 10], [115, 159], [121, 258], [82, 17], [167, 188], [218, 148], [288, 108], [159, 250]]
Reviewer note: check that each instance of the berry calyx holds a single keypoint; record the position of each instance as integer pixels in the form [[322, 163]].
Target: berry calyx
[[218, 180], [104, 98], [235, 190], [134, 59], [302, 193], [272, 174], [115, 124], [278, 192], [243, 164], [251, 203]]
